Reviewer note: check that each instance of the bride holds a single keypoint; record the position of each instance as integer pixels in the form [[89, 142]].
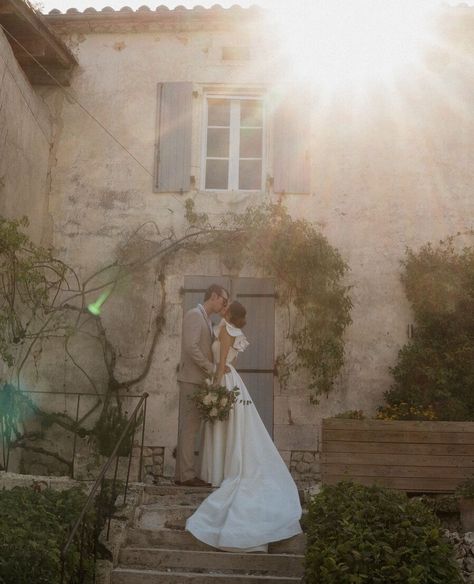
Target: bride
[[257, 501]]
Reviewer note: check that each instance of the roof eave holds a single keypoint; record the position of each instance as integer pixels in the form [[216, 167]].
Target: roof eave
[[41, 53]]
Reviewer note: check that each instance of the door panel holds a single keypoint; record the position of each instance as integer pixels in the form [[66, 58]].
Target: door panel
[[255, 365]]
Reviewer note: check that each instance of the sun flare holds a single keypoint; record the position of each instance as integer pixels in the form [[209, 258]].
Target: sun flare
[[339, 42]]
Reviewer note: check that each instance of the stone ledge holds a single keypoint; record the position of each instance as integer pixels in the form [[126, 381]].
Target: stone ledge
[[10, 480]]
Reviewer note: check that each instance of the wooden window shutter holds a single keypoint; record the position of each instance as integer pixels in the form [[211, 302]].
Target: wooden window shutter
[[292, 144], [173, 148]]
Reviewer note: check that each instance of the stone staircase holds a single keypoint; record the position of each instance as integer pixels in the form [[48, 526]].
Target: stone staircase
[[157, 550]]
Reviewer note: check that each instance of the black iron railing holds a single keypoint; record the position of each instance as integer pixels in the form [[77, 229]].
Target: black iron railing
[[100, 506], [7, 437]]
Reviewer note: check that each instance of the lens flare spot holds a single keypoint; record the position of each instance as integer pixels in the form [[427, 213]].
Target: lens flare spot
[[95, 307]]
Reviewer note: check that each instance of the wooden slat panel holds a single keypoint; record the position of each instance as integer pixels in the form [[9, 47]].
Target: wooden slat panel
[[424, 485], [411, 456], [397, 459], [360, 470], [173, 164], [396, 425], [407, 437], [399, 448]]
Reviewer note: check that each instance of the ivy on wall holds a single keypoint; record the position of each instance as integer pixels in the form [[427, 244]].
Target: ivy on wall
[[309, 275], [43, 298], [434, 374]]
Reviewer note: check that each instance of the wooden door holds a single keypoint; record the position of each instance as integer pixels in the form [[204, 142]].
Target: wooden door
[[256, 364]]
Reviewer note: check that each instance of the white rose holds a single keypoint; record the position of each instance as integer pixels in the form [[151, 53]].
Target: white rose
[[207, 400], [208, 381], [224, 401], [213, 399], [213, 413]]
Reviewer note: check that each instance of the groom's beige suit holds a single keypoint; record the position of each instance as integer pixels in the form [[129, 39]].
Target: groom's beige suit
[[196, 363]]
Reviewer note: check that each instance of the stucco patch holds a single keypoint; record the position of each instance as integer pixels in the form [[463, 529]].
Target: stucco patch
[[110, 199]]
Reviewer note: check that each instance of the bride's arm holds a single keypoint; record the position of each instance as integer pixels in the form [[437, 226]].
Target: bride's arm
[[226, 343]]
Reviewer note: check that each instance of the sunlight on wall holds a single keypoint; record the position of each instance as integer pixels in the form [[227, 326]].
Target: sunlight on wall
[[340, 43]]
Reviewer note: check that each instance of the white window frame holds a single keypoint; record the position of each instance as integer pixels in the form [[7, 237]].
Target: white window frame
[[234, 139]]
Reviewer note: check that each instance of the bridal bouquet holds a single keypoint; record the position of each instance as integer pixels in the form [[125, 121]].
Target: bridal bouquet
[[213, 402]]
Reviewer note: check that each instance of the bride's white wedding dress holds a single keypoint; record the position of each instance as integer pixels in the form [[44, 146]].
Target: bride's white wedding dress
[[257, 500]]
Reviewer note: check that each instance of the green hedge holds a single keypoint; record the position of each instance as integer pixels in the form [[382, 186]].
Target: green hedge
[[434, 373], [371, 535], [34, 527]]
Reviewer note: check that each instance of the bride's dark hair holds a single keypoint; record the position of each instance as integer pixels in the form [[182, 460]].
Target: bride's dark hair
[[237, 314]]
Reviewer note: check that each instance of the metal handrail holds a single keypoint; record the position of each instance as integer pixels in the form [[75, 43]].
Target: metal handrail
[[105, 468], [6, 444]]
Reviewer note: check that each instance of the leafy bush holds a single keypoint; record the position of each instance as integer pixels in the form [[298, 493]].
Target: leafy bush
[[435, 370], [465, 489], [351, 415], [371, 535], [34, 527], [441, 504], [404, 411]]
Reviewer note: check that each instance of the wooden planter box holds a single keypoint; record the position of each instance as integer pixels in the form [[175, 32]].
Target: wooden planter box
[[410, 456]]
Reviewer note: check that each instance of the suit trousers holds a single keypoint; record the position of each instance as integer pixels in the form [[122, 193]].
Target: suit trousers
[[189, 425]]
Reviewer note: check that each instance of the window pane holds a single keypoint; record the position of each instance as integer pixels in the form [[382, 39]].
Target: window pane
[[250, 113], [218, 142], [218, 112], [250, 143], [217, 172], [250, 175]]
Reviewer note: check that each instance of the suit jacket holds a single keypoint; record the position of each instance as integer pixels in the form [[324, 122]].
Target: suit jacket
[[196, 354]]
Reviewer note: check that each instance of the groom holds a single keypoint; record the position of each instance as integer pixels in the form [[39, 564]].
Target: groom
[[196, 364]]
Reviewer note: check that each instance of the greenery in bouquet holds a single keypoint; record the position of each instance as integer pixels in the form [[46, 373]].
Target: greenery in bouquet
[[214, 402]]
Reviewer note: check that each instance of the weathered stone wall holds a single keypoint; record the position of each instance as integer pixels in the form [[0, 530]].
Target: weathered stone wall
[[26, 132], [390, 170], [25, 142]]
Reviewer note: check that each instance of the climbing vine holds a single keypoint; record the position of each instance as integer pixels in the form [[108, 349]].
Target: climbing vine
[[309, 274], [434, 374], [42, 298]]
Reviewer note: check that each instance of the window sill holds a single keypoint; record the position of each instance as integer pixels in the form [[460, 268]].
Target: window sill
[[232, 196]]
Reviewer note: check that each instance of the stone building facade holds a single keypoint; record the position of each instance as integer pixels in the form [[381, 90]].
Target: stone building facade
[[375, 175]]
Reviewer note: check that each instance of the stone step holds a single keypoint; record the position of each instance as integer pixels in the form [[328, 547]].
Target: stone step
[[160, 515], [167, 517], [156, 493], [212, 561], [161, 490], [180, 539], [133, 576], [179, 498]]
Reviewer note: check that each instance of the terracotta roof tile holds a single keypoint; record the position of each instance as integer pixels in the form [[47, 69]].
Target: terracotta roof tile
[[161, 8]]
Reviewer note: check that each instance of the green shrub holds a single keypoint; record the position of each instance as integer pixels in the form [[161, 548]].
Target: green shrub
[[465, 489], [371, 535], [34, 526], [351, 415], [435, 370]]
